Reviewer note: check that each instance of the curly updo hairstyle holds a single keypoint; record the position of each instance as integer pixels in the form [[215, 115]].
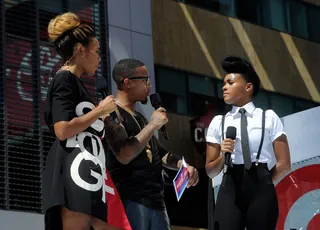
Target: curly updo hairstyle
[[66, 31]]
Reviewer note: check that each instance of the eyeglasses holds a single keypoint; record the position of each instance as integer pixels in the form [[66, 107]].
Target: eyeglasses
[[145, 78], [139, 78]]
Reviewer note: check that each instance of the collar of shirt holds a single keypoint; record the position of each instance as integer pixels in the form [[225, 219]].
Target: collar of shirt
[[249, 107]]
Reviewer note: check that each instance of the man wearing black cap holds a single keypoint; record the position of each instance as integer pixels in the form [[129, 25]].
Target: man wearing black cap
[[247, 197]]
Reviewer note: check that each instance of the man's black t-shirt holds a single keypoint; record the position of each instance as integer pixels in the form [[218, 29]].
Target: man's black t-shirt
[[140, 180]]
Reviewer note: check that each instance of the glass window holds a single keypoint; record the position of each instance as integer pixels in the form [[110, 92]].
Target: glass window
[[201, 85], [51, 6], [182, 105], [282, 105], [248, 10], [225, 7], [300, 105], [171, 81], [190, 94], [261, 100], [313, 18], [219, 89], [210, 5], [198, 104], [228, 7], [273, 14], [172, 86], [297, 18], [169, 101], [174, 103]]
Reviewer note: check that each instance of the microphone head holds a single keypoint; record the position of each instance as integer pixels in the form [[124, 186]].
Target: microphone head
[[155, 100], [231, 132], [101, 84]]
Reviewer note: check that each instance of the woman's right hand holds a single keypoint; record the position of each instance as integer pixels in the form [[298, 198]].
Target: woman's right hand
[[107, 105], [227, 146]]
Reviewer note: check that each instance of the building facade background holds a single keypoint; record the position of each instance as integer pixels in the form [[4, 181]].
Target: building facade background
[[191, 37]]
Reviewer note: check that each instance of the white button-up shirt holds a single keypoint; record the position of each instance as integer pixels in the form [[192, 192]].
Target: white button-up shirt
[[273, 129]]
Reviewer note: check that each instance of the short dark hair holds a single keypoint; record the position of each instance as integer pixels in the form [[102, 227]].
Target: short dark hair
[[125, 68], [254, 81], [234, 64]]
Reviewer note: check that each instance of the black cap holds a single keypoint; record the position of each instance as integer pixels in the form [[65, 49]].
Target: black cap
[[233, 64]]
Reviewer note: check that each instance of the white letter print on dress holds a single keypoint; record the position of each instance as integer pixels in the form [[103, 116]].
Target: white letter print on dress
[[98, 158]]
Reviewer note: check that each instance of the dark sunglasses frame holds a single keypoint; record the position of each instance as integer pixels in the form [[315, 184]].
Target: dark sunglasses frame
[[137, 78]]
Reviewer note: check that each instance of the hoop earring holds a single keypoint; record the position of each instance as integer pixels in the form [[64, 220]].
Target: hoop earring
[[68, 62]]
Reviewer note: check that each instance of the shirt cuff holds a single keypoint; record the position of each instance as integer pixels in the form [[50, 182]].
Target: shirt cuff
[[212, 140], [278, 135]]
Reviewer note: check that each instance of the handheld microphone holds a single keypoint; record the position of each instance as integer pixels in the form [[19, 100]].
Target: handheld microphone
[[157, 103], [102, 88], [231, 133]]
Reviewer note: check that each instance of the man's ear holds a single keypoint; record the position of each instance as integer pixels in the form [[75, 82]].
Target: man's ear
[[127, 83]]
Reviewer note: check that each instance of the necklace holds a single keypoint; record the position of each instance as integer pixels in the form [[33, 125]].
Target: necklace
[[133, 114]]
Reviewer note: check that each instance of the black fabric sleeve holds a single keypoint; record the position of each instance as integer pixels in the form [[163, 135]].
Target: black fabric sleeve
[[162, 151], [64, 97]]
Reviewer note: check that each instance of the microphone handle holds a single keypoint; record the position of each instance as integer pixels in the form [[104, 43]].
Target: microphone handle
[[227, 161], [164, 132], [163, 128]]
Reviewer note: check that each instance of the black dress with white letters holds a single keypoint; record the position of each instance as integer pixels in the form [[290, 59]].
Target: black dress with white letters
[[75, 175]]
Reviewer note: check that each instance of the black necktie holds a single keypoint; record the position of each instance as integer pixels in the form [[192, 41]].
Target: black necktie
[[245, 140]]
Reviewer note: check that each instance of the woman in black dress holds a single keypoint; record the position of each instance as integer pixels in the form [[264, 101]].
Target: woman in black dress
[[76, 186]]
